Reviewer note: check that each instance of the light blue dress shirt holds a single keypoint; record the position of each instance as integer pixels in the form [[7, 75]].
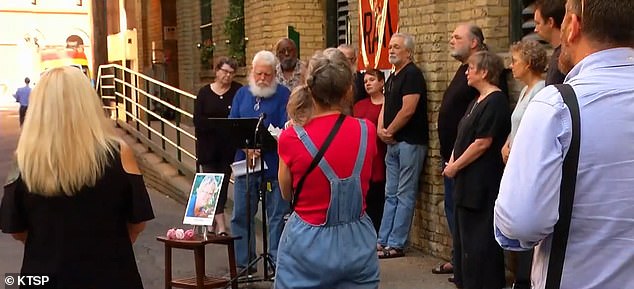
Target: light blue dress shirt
[[600, 252]]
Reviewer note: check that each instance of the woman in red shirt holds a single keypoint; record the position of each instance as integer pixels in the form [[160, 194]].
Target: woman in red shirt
[[329, 241], [369, 108]]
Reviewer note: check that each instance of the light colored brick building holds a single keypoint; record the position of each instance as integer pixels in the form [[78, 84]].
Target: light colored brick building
[[429, 21], [30, 26]]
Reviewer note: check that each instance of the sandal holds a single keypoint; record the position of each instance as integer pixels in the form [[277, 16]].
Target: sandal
[[379, 247], [445, 268], [223, 234], [390, 252]]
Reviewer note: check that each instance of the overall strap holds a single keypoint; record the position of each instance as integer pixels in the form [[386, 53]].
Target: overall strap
[[363, 145], [567, 192], [318, 157]]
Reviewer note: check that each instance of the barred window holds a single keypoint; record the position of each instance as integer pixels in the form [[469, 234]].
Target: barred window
[[522, 23], [338, 27]]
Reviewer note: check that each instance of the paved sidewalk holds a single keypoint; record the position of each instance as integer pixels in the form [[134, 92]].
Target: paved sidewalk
[[412, 271]]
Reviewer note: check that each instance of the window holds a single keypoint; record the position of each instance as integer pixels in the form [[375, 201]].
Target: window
[[338, 27], [522, 23], [206, 36]]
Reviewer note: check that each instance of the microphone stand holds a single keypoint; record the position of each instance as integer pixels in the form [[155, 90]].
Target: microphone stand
[[262, 189]]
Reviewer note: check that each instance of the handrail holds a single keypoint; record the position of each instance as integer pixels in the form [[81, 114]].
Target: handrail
[[149, 110]]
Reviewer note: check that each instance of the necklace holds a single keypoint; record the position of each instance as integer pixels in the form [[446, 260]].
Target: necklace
[[473, 107]]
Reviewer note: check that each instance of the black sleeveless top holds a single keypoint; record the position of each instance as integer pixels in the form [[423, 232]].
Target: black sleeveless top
[[80, 241]]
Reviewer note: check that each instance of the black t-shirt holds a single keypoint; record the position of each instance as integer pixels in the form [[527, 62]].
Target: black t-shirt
[[359, 86], [409, 80], [553, 75], [209, 150], [80, 241], [478, 182], [453, 106]]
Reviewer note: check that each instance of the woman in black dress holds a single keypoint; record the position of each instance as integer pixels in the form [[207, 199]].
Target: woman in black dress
[[213, 153], [76, 198], [477, 167]]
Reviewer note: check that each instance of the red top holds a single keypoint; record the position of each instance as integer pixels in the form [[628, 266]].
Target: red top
[[314, 199], [366, 109]]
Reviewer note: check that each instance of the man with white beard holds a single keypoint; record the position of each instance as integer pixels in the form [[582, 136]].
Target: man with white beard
[[262, 97]]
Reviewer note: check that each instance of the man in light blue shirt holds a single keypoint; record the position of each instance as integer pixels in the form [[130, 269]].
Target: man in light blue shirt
[[22, 96], [598, 56]]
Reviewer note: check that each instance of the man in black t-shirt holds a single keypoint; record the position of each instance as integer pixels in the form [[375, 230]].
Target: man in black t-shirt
[[403, 126], [549, 14], [466, 40]]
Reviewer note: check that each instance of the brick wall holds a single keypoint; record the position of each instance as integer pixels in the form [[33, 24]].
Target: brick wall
[[267, 21], [188, 34], [220, 10], [431, 23]]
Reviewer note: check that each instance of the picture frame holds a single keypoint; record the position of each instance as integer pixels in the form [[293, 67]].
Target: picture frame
[[203, 199]]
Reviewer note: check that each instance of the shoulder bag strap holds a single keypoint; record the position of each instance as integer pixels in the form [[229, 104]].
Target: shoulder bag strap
[[567, 192], [317, 158]]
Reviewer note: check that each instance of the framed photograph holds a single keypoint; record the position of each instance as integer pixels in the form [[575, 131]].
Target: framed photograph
[[203, 199]]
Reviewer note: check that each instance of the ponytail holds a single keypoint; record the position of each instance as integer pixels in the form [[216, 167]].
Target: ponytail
[[300, 105]]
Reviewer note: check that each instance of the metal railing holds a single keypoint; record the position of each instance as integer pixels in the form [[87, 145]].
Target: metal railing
[[149, 110]]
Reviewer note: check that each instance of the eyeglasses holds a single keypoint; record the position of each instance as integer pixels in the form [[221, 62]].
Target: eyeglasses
[[256, 106], [227, 71]]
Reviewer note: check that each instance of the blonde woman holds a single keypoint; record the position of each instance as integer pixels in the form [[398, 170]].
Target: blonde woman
[[77, 199]]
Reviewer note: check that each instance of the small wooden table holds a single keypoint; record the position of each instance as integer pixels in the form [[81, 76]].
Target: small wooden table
[[201, 280]]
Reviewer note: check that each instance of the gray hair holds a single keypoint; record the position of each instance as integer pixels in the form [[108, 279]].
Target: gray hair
[[408, 41], [476, 33], [266, 57], [347, 46]]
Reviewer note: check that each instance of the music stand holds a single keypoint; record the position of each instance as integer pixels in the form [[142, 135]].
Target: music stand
[[245, 133]]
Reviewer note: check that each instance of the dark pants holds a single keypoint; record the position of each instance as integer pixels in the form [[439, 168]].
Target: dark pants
[[479, 258], [449, 207], [222, 198], [374, 202], [521, 264], [22, 113]]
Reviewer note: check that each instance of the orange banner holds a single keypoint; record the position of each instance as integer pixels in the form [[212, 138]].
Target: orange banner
[[378, 21]]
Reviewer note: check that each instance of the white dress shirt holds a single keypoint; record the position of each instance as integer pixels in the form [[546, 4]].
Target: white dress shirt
[[600, 252]]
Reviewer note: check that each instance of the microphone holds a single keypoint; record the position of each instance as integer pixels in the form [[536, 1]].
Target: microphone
[[260, 121]]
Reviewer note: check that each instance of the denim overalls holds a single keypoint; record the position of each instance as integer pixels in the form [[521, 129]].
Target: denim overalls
[[341, 253]]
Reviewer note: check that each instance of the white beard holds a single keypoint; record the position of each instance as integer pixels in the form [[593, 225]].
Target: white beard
[[264, 92]]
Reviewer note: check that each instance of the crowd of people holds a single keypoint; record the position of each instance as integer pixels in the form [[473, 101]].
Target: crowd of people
[[342, 185]]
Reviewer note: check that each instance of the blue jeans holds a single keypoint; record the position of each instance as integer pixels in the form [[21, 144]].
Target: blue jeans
[[449, 207], [404, 164], [276, 208]]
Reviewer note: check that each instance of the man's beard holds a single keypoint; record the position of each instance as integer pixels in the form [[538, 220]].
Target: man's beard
[[565, 63], [288, 64], [265, 92], [393, 59], [460, 54]]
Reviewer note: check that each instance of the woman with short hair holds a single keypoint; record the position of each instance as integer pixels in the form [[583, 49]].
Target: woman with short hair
[[369, 108], [214, 155], [477, 167], [528, 62]]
